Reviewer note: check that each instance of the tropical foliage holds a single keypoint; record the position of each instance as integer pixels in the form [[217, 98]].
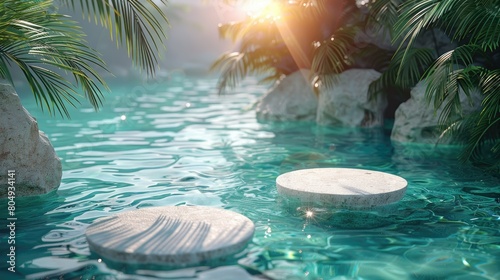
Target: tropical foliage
[[303, 34], [330, 47], [47, 45], [474, 65]]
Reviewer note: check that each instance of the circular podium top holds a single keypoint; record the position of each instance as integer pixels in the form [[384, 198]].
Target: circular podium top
[[170, 235], [342, 187]]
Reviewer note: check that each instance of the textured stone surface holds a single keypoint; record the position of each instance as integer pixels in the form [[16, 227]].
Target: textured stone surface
[[417, 122], [379, 36], [292, 99], [25, 149], [170, 235], [347, 102], [341, 187]]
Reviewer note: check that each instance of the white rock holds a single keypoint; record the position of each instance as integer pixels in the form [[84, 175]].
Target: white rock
[[25, 149], [170, 235], [416, 121], [341, 187], [292, 98], [347, 103]]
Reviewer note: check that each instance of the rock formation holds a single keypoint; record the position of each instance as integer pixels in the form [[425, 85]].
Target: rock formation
[[416, 121], [25, 149], [347, 103], [292, 98]]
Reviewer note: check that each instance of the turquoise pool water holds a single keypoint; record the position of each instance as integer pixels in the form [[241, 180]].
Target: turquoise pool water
[[176, 142]]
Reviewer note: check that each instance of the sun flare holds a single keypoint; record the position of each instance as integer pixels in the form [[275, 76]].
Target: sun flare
[[262, 8]]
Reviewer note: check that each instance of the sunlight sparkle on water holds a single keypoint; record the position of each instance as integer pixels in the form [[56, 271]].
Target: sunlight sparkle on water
[[123, 117], [309, 214]]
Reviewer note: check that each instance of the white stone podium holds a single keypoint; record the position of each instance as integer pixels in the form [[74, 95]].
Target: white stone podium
[[341, 187], [170, 235]]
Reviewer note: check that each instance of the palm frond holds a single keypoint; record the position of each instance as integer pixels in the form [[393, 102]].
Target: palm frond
[[266, 37], [331, 56], [416, 17], [384, 13], [272, 78], [262, 51], [248, 28], [237, 65], [140, 26], [475, 26], [39, 43], [234, 30], [403, 76], [418, 60], [481, 138], [371, 56], [479, 130], [446, 77], [232, 69], [478, 22]]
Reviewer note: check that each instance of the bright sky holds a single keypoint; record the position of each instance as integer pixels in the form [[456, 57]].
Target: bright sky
[[250, 7], [261, 8]]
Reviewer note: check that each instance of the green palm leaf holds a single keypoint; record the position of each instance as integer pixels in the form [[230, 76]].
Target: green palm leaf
[[416, 17], [54, 57], [481, 138], [474, 25], [331, 56], [403, 76], [39, 43], [384, 13], [232, 69], [139, 24], [476, 21], [237, 65], [445, 78], [481, 129], [234, 30]]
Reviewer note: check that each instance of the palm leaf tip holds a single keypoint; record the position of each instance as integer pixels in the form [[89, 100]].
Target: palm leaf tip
[[138, 25], [44, 46]]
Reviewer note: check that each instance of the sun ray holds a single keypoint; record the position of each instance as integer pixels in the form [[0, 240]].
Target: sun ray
[[262, 8]]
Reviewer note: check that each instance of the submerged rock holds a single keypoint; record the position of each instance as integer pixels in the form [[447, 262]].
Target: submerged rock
[[416, 121], [347, 103], [292, 98], [25, 149]]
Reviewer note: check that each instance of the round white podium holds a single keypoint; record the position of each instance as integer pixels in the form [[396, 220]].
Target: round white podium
[[341, 187], [170, 235]]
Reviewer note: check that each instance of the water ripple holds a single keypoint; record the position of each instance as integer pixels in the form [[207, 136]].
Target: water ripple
[[178, 143]]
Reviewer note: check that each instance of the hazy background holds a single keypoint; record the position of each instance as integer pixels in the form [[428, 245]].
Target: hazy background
[[193, 43], [193, 40]]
